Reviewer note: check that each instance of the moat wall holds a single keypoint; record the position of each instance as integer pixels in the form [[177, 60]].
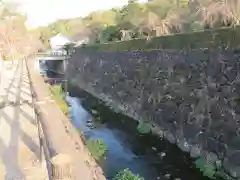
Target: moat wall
[[192, 98]]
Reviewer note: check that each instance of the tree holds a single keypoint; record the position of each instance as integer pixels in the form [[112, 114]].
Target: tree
[[15, 39], [160, 19], [153, 18], [217, 13], [111, 33], [9, 21], [131, 15]]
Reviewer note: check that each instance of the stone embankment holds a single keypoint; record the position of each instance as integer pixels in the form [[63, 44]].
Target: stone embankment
[[189, 97]]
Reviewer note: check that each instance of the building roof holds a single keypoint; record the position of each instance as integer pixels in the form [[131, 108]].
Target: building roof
[[58, 41]]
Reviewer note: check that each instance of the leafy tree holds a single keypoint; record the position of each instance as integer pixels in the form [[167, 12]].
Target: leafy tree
[[110, 33], [160, 18], [130, 15], [60, 26], [45, 35], [218, 13], [153, 18], [15, 39]]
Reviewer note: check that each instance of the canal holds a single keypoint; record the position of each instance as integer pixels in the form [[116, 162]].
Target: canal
[[147, 155]]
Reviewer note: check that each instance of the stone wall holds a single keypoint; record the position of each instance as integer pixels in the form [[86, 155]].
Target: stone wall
[[191, 98]]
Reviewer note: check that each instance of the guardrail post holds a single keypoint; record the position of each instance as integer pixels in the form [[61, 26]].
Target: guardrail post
[[41, 151], [61, 167]]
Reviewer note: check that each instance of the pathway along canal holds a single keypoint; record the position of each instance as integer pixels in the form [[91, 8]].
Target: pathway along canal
[[147, 155]]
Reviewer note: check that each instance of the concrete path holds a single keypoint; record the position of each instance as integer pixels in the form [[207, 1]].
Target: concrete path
[[59, 132], [19, 142]]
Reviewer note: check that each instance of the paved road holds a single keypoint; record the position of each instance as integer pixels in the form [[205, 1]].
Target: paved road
[[19, 143]]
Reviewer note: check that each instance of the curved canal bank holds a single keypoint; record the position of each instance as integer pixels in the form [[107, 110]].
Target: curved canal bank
[[147, 155]]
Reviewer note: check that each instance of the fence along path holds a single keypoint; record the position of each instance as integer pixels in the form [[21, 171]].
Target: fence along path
[[19, 137], [62, 140]]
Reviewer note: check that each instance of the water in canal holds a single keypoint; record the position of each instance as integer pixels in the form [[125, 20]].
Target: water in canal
[[149, 156]]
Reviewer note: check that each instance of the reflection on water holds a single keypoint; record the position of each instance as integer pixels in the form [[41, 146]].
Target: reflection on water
[[120, 154], [148, 156]]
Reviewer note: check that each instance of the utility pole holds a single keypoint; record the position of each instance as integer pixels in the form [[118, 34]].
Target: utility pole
[[65, 63], [69, 50], [65, 73]]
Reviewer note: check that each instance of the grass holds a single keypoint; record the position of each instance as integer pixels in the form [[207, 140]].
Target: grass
[[59, 98], [126, 174], [97, 148], [79, 132]]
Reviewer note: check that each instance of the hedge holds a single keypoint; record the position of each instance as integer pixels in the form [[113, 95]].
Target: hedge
[[219, 38]]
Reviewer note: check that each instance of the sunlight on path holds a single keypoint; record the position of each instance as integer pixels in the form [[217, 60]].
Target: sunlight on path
[[19, 143]]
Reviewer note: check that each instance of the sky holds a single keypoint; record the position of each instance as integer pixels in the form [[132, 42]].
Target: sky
[[42, 12]]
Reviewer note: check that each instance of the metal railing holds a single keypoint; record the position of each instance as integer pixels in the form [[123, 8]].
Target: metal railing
[[56, 168], [44, 151]]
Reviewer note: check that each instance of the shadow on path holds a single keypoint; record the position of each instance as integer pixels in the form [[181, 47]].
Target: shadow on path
[[10, 153]]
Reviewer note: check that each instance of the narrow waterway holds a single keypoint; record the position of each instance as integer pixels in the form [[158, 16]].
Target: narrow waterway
[[147, 155]]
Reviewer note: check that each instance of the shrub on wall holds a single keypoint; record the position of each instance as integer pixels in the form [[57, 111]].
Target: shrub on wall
[[220, 38]]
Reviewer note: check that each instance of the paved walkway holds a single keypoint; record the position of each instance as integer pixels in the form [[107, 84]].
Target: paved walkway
[[19, 143], [59, 132]]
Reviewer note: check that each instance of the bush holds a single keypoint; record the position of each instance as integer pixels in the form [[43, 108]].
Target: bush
[[126, 174], [97, 148], [110, 33], [57, 91], [59, 98], [218, 38], [63, 106]]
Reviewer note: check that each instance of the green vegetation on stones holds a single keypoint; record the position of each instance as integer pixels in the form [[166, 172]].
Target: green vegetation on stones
[[59, 98], [223, 175], [143, 128], [97, 148], [208, 169], [126, 174]]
